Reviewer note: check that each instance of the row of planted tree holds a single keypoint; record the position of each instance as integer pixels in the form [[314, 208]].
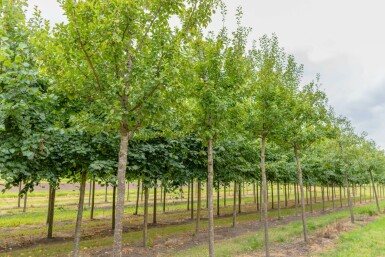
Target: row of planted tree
[[118, 93]]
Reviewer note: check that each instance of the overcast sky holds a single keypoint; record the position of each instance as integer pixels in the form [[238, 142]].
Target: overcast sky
[[343, 40]]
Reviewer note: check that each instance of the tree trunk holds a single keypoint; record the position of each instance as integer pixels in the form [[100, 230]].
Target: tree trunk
[[25, 202], [279, 201], [164, 199], [19, 197], [311, 200], [254, 195], [105, 195], [155, 205], [210, 180], [224, 196], [218, 200], [239, 197], [192, 199], [261, 203], [92, 200], [285, 191], [145, 218], [374, 191], [333, 195], [121, 177], [137, 198], [315, 194], [198, 218], [113, 218], [51, 210], [89, 194], [264, 190], [272, 195], [188, 196], [235, 205], [296, 199], [80, 214], [360, 193], [302, 194], [323, 197], [341, 196], [349, 199]]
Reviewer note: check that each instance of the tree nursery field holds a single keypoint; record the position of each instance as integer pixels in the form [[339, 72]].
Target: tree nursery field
[[124, 134]]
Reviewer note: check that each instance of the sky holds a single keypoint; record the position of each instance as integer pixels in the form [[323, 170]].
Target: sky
[[343, 41]]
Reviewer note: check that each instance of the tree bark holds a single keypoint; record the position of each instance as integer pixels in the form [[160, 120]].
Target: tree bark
[[333, 195], [155, 205], [285, 191], [188, 196], [25, 202], [224, 196], [89, 194], [80, 214], [239, 197], [341, 196], [323, 197], [296, 199], [374, 191], [257, 191], [121, 177], [145, 218], [164, 199], [105, 195], [92, 200], [51, 211], [192, 199], [264, 190], [198, 207], [113, 218], [235, 205], [210, 180], [272, 195], [218, 201], [128, 191], [19, 197], [311, 200], [349, 199], [302, 194], [137, 198], [279, 201]]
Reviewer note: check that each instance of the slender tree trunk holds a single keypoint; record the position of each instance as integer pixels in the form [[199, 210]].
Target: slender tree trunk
[[137, 198], [80, 214], [218, 200], [113, 215], [354, 194], [327, 192], [307, 199], [92, 200], [192, 199], [302, 194], [239, 197], [198, 218], [360, 193], [25, 202], [279, 201], [145, 218], [90, 194], [264, 190], [105, 195], [121, 177], [210, 180], [155, 204], [333, 195], [235, 205], [49, 203], [323, 197], [315, 194], [296, 199], [341, 196], [188, 196], [19, 197], [285, 189], [51, 211], [224, 196], [272, 195], [311, 200], [349, 198], [374, 191], [164, 199], [261, 203]]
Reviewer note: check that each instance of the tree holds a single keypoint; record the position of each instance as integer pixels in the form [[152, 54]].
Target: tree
[[117, 63]]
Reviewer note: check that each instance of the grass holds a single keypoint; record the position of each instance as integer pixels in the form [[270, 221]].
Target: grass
[[368, 240], [287, 233]]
